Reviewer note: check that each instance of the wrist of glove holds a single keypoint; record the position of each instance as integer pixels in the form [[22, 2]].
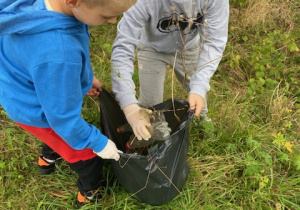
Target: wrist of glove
[[138, 118], [110, 151]]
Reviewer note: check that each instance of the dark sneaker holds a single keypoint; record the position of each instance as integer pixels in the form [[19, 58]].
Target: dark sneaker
[[87, 197], [46, 166]]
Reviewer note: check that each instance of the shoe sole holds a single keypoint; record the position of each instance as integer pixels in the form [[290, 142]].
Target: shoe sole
[[46, 171]]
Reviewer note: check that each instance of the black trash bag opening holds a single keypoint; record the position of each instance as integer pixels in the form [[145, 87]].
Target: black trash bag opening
[[113, 117], [157, 177]]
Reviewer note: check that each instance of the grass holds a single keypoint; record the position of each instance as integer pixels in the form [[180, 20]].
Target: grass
[[249, 158]]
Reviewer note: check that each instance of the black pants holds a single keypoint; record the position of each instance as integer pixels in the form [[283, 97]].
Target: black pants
[[89, 171]]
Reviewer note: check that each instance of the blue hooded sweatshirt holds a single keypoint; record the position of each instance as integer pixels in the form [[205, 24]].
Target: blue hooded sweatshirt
[[45, 71]]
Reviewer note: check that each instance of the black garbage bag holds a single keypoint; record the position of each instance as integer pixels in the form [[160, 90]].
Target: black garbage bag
[[158, 176]]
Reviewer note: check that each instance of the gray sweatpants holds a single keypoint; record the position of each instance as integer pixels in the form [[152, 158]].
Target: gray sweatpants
[[152, 67]]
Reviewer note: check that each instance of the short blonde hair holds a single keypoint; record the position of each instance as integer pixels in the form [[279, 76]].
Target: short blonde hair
[[110, 3]]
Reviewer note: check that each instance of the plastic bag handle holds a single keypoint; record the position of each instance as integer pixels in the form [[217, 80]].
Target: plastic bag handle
[[190, 118]]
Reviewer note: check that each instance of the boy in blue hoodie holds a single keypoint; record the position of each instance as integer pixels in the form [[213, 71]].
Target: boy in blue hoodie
[[188, 35], [45, 72]]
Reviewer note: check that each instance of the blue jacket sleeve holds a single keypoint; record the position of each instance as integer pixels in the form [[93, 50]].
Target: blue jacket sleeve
[[60, 89]]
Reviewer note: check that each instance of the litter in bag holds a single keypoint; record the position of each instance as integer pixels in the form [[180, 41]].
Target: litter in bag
[[159, 131], [157, 174]]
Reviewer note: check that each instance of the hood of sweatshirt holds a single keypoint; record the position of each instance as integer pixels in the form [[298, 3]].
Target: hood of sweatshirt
[[31, 16]]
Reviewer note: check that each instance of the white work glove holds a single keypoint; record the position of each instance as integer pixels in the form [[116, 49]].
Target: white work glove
[[139, 121], [110, 151]]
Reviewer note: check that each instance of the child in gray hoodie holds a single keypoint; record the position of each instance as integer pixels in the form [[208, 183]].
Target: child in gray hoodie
[[188, 35]]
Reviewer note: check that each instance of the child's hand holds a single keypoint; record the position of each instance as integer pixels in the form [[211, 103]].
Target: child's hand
[[139, 120], [96, 88], [196, 103]]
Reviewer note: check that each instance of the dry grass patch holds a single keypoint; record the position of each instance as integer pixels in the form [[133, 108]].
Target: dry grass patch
[[265, 12]]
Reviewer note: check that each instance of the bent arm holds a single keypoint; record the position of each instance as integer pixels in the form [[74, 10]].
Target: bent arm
[[60, 91], [213, 38], [123, 54]]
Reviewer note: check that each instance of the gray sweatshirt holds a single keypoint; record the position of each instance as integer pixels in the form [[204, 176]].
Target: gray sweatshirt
[[167, 26]]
